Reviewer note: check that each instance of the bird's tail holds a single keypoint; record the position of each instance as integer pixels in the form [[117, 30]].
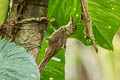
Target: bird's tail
[[44, 61]]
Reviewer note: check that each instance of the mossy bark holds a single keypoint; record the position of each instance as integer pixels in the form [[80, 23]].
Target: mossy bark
[[30, 35]]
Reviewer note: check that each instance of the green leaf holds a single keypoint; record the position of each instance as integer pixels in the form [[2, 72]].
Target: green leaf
[[16, 63], [104, 15], [105, 18], [3, 10], [54, 69]]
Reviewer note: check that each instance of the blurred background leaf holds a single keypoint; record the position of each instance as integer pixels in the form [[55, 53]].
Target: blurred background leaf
[[16, 63], [82, 63], [3, 10]]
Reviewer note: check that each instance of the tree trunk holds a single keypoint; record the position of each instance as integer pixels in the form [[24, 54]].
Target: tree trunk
[[30, 35]]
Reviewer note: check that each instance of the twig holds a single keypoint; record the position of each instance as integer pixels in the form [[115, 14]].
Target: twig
[[88, 23], [36, 20]]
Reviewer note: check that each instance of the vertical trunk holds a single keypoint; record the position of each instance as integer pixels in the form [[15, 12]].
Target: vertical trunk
[[30, 35]]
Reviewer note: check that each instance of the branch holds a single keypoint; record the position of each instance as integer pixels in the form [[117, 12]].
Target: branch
[[39, 20], [88, 23]]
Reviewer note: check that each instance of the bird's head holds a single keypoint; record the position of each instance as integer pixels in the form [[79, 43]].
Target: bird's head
[[71, 28]]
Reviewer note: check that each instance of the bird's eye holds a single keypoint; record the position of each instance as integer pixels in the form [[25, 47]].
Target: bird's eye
[[73, 26]]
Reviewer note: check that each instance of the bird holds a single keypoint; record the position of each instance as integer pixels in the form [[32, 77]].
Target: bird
[[56, 41]]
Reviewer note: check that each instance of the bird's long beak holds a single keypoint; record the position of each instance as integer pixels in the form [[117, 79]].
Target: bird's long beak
[[71, 19]]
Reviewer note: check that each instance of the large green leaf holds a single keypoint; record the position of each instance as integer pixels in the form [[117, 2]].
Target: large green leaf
[[3, 10], [16, 63], [104, 15], [54, 69]]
